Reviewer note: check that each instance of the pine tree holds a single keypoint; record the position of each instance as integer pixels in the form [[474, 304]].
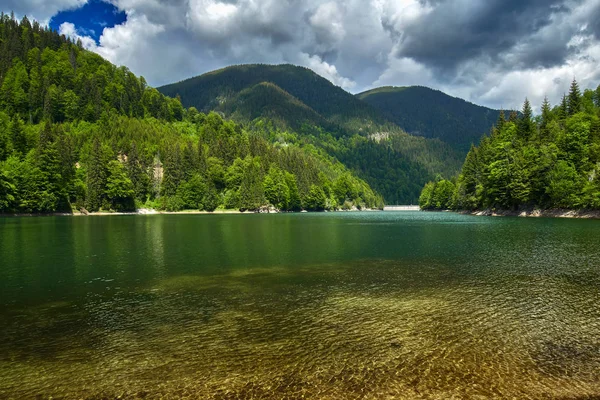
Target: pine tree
[[96, 177], [173, 171], [137, 173], [501, 120], [574, 100], [17, 136], [546, 112], [5, 142], [563, 110], [48, 160], [525, 126], [252, 194]]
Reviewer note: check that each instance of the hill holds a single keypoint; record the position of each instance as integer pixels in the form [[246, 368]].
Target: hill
[[219, 91], [310, 110], [77, 131], [433, 114]]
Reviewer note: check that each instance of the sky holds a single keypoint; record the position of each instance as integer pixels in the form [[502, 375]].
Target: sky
[[490, 52]]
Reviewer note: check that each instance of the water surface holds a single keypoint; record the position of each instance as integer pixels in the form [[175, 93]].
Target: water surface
[[325, 306]]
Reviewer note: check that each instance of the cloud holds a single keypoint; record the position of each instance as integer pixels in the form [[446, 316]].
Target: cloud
[[41, 10], [68, 29], [491, 52]]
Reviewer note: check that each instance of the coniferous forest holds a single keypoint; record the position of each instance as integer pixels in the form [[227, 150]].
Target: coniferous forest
[[549, 161], [78, 132]]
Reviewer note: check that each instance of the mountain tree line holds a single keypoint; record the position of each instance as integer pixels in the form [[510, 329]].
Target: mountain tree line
[[546, 161], [78, 132], [45, 76]]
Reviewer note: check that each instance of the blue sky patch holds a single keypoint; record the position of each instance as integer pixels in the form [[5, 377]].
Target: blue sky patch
[[91, 19]]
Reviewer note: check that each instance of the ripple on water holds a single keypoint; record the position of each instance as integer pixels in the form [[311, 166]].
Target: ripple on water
[[369, 330]]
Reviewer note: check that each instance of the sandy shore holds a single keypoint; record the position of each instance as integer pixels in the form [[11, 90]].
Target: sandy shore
[[146, 211]]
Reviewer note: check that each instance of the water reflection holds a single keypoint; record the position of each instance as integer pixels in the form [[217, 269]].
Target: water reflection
[[365, 306]]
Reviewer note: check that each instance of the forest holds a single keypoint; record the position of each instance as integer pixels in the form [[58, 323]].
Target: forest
[[433, 114], [296, 103], [78, 132], [547, 161]]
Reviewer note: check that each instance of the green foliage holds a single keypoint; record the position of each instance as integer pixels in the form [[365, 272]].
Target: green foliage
[[77, 130], [7, 192], [564, 185], [293, 105], [315, 200], [437, 195], [119, 191], [289, 94], [574, 99], [53, 78], [192, 193], [252, 194], [432, 114], [277, 191], [97, 171], [555, 164]]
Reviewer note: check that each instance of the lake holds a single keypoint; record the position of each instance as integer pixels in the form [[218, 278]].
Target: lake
[[370, 305]]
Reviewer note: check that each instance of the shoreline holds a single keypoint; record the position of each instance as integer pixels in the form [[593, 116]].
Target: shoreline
[[146, 211], [536, 213]]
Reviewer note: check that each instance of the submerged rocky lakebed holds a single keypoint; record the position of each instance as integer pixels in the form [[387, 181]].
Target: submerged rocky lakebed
[[326, 306]]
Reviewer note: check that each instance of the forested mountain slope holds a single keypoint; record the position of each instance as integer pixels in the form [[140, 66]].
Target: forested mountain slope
[[308, 109], [76, 131], [433, 114], [549, 161], [219, 90]]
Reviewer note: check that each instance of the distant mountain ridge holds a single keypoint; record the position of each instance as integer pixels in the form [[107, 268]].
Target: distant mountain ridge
[[431, 113], [220, 90], [361, 131]]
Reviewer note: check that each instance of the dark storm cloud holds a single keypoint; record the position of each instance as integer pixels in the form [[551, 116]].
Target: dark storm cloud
[[456, 31]]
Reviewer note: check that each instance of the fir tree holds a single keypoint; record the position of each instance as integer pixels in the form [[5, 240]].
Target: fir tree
[[96, 177], [17, 135], [525, 125], [574, 99], [501, 120], [563, 110], [546, 112]]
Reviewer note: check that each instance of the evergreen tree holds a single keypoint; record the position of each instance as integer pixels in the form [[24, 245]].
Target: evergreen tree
[[563, 110], [96, 177], [501, 120], [546, 112], [17, 135], [173, 171], [525, 126], [252, 194], [137, 173], [51, 185], [7, 192], [5, 142], [294, 203], [574, 99], [277, 191]]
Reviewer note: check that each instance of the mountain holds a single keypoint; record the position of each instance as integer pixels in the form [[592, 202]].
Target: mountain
[[221, 90], [433, 114], [310, 110], [77, 131]]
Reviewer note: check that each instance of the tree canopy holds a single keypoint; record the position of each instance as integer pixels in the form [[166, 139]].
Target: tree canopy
[[550, 161]]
